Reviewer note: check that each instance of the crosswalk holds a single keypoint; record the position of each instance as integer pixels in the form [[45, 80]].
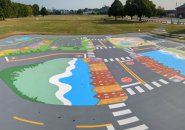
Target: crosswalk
[[125, 118], [137, 88], [124, 59], [101, 48]]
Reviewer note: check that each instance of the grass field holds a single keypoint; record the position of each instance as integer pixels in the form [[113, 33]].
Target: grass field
[[71, 25], [176, 29]]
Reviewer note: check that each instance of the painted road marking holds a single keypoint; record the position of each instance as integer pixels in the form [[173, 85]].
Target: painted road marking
[[141, 127], [85, 55], [128, 120], [105, 60], [156, 84], [49, 55], [27, 121], [148, 87], [129, 85], [163, 81], [6, 58], [114, 47], [130, 91], [184, 82], [102, 43], [122, 58], [123, 112], [140, 89], [117, 59], [111, 59], [128, 58], [101, 48], [110, 126], [113, 106], [131, 73], [110, 47], [105, 47]]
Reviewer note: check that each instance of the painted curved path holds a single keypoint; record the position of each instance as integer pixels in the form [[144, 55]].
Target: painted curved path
[[38, 78]]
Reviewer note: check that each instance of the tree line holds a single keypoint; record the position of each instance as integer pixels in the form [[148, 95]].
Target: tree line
[[138, 8], [10, 9]]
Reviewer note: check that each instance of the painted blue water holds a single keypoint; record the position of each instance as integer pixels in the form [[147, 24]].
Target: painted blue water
[[82, 91], [166, 59], [125, 44], [23, 38]]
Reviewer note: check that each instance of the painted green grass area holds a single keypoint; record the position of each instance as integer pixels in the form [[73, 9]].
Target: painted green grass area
[[176, 29], [177, 51], [31, 82], [72, 25]]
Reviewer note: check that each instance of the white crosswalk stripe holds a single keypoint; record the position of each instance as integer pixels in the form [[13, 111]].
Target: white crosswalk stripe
[[128, 58], [122, 58], [148, 87], [121, 113], [130, 91], [114, 47], [163, 81], [105, 60], [128, 120], [184, 82], [119, 105], [111, 59], [110, 47], [140, 89], [117, 59], [141, 127], [156, 84]]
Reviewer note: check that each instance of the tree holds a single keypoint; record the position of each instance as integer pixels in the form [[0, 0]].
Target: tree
[[79, 12], [160, 12], [5, 8], [116, 9], [43, 11], [35, 9], [130, 8]]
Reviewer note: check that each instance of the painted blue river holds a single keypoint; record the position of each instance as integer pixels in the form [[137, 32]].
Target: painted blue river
[[166, 59], [82, 93]]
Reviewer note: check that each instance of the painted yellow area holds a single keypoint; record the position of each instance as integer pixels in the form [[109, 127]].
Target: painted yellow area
[[27, 121], [92, 126], [132, 73], [102, 43], [38, 57]]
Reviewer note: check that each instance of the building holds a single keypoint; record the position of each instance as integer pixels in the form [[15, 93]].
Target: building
[[180, 11], [171, 13]]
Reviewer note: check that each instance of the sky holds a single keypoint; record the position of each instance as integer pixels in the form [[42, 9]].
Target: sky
[[77, 4]]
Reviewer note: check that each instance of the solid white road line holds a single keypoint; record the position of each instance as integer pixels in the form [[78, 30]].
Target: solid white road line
[[128, 120], [130, 91], [140, 89], [141, 127], [110, 127], [111, 59], [148, 87], [129, 85], [163, 81], [156, 84], [123, 112], [113, 106], [105, 60]]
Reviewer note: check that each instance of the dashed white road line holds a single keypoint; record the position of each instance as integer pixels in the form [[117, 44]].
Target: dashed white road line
[[130, 91], [156, 84], [148, 87], [141, 127], [128, 120], [113, 106], [163, 81], [140, 89], [123, 112]]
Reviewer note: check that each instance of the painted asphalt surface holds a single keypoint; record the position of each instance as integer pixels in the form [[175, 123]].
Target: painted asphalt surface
[[158, 106]]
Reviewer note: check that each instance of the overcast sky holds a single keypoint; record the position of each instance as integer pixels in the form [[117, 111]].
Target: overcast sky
[[76, 4]]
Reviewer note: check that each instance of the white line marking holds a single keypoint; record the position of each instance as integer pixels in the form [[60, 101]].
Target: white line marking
[[156, 84], [97, 48], [130, 91], [85, 55], [140, 89], [128, 120], [128, 58], [141, 127], [110, 47], [122, 58], [123, 112], [148, 87], [105, 47], [111, 59], [114, 47], [105, 60], [113, 106], [184, 82], [101, 48], [129, 85], [117, 59], [6, 58], [163, 81], [110, 127]]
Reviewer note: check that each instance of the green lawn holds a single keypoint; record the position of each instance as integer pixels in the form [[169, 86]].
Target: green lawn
[[71, 25], [176, 29]]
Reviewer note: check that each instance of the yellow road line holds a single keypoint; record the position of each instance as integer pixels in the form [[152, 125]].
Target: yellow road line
[[28, 121], [102, 43], [38, 57], [132, 73], [92, 126]]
